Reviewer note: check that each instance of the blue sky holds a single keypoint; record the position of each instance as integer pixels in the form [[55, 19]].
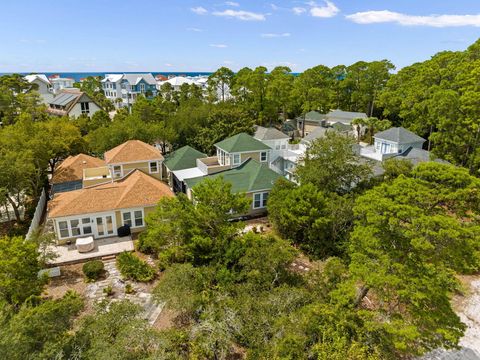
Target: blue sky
[[189, 35]]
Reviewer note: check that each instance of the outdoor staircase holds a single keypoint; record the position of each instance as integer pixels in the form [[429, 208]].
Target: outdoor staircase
[[151, 309]]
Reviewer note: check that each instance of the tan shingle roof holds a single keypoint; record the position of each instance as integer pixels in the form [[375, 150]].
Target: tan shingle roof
[[71, 168], [131, 151], [135, 190]]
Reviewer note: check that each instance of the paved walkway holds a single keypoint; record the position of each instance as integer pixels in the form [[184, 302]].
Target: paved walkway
[[95, 292]]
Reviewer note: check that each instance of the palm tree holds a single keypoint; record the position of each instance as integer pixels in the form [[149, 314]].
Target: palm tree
[[375, 125]]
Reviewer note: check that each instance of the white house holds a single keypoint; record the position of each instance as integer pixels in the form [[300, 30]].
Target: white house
[[72, 103], [41, 80], [176, 82], [392, 142], [273, 138], [112, 88], [59, 83], [128, 86]]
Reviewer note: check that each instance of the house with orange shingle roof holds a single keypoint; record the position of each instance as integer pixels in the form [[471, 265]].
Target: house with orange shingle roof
[[69, 174], [100, 210], [123, 159]]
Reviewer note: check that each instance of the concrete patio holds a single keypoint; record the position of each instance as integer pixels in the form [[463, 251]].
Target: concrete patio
[[68, 254]]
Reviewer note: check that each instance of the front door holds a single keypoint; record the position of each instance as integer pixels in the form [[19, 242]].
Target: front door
[[104, 225]]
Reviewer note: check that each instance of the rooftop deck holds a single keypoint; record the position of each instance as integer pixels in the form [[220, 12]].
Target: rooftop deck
[[68, 254]]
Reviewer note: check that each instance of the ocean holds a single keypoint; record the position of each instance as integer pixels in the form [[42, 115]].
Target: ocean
[[80, 75]]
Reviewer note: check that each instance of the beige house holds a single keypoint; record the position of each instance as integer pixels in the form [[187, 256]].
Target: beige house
[[100, 210], [68, 175], [122, 160]]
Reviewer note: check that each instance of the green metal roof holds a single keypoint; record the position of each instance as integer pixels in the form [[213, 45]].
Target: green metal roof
[[248, 177], [241, 143], [183, 158]]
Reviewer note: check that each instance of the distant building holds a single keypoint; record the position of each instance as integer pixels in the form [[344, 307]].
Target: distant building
[[343, 117], [59, 83], [44, 86], [176, 82], [123, 89], [41, 80], [72, 103], [340, 120]]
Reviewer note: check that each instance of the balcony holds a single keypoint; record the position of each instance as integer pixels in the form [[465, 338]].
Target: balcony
[[210, 165], [94, 176]]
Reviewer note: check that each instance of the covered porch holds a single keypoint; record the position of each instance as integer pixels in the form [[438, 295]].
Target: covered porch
[[104, 247]]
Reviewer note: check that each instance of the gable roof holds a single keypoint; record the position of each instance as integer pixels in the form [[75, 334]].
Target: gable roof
[[271, 133], [344, 116], [134, 79], [135, 190], [249, 177], [71, 169], [68, 98], [399, 135], [42, 77], [112, 77], [241, 143], [132, 151], [183, 158]]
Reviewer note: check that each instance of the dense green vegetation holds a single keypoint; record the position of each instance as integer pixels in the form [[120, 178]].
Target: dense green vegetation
[[383, 253], [133, 268]]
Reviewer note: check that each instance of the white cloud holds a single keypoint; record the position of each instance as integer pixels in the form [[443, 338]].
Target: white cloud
[[271, 65], [240, 15], [199, 10], [168, 65], [220, 46], [194, 29], [386, 16], [298, 10], [275, 35], [232, 3], [326, 11]]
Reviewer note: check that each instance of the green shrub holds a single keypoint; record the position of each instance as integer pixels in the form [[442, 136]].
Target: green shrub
[[133, 268], [108, 290], [129, 289], [93, 269]]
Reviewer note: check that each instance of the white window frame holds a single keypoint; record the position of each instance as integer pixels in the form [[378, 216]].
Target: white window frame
[[263, 197], [133, 218], [261, 156], [239, 159], [150, 167], [81, 226], [114, 172], [85, 107], [60, 229], [142, 88]]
